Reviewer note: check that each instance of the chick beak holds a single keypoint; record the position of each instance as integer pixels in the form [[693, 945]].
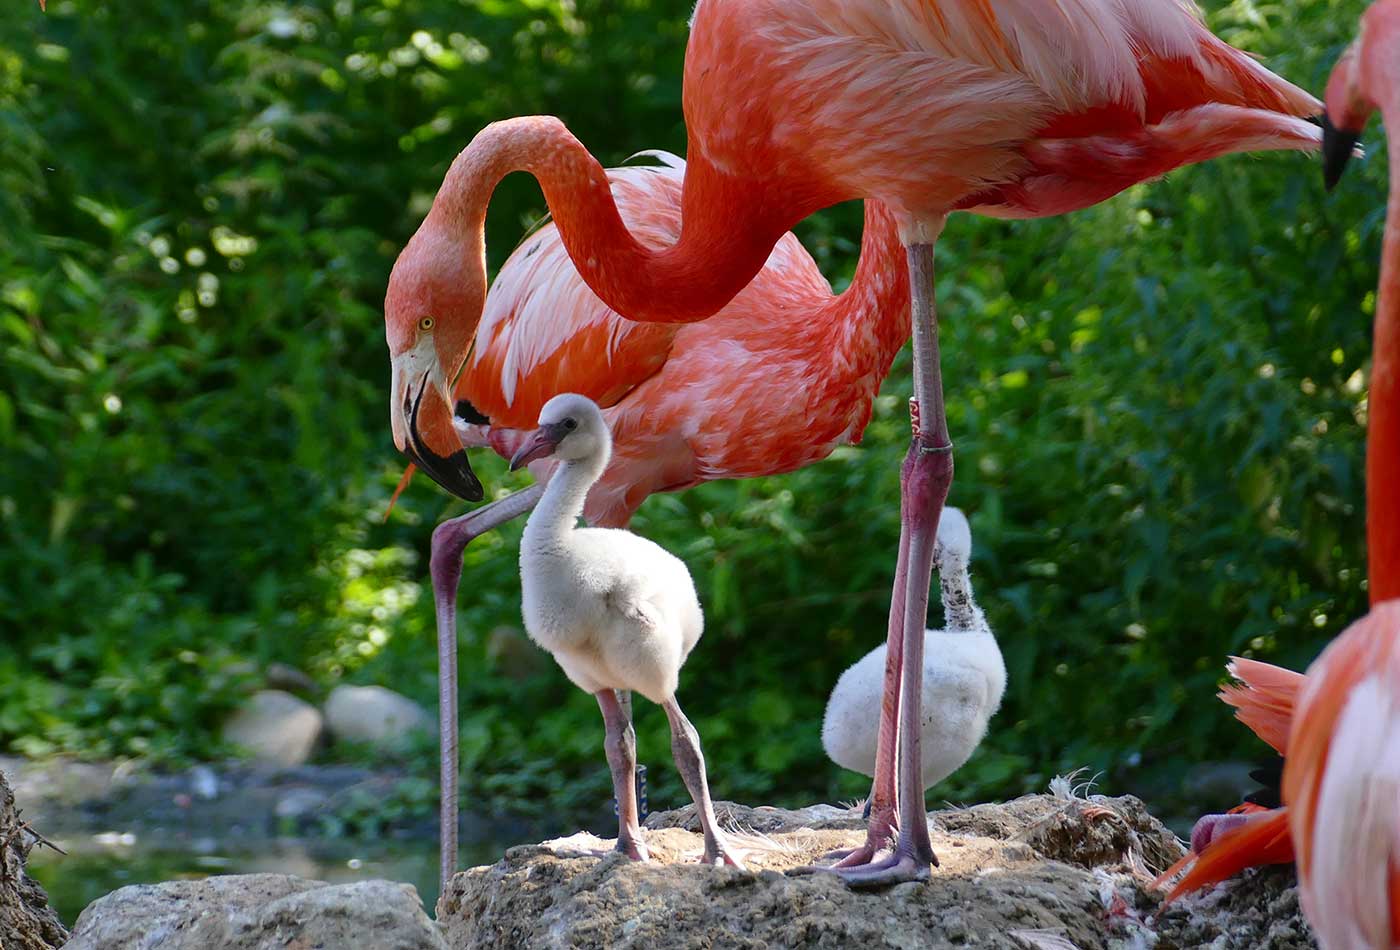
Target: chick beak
[[541, 444]]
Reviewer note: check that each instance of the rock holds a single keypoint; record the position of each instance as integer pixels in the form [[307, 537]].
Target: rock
[[1041, 871], [289, 678], [257, 912], [374, 714], [300, 805], [276, 727], [27, 922], [57, 784], [204, 782], [1259, 909]]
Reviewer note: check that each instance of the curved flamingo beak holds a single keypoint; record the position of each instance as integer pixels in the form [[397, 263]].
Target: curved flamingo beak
[[541, 444], [1344, 116], [1338, 146], [422, 422]]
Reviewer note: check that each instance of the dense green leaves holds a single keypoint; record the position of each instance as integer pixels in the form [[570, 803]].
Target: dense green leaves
[[1158, 406]]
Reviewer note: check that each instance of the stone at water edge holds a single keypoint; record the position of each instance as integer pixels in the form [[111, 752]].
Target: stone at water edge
[[375, 715], [276, 727], [27, 922], [289, 678], [257, 912]]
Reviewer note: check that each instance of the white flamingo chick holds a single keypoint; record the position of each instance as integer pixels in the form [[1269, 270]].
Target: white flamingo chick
[[964, 676], [617, 611]]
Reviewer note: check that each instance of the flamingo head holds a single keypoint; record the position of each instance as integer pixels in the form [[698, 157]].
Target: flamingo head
[[571, 428], [1368, 66], [430, 315]]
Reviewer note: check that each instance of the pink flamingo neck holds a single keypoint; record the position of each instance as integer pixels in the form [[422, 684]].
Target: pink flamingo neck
[[864, 327], [727, 228], [1383, 403]]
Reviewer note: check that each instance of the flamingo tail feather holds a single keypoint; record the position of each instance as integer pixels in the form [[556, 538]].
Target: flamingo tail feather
[[1265, 840]]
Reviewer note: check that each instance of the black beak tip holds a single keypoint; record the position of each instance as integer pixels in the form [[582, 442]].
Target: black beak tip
[[1337, 147], [453, 473], [461, 480]]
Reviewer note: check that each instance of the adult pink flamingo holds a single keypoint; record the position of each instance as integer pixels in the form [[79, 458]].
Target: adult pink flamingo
[[1001, 107], [1339, 725], [777, 379], [1342, 777]]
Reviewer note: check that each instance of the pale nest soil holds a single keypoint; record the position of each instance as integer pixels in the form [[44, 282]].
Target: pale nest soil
[[1043, 872]]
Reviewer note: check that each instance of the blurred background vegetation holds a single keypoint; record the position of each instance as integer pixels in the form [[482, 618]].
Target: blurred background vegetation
[[1158, 405]]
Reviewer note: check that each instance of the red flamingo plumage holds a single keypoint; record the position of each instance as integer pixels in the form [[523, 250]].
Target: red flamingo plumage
[[1008, 108], [783, 374], [776, 380], [1340, 812]]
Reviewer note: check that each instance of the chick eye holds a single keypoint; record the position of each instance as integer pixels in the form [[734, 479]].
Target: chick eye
[[425, 323], [571, 424]]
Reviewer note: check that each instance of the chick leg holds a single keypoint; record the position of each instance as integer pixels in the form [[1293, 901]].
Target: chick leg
[[690, 762]]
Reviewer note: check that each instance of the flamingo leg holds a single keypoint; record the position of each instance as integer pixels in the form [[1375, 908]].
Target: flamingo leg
[[620, 744], [690, 762], [881, 809], [450, 539], [639, 781], [926, 477]]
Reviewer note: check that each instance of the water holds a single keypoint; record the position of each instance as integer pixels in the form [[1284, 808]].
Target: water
[[98, 864]]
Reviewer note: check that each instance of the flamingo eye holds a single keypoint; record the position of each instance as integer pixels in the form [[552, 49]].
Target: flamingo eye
[[571, 424], [426, 323]]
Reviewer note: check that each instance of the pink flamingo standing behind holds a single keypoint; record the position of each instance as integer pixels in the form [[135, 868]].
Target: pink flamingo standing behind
[[776, 380], [1001, 107]]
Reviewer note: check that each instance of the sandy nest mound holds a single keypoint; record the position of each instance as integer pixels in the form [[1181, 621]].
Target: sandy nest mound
[[1043, 872]]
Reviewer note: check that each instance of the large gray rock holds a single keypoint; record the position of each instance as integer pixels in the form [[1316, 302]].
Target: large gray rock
[[276, 727], [1040, 872], [375, 715], [257, 912]]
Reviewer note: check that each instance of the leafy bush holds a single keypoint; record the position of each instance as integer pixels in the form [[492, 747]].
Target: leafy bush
[[1158, 406]]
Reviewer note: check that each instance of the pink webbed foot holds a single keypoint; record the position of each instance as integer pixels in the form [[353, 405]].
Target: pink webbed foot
[[723, 855], [879, 840], [854, 857], [1210, 827], [911, 860], [635, 849], [895, 869]]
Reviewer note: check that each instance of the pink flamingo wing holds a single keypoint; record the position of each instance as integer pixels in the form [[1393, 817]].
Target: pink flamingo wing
[[986, 82]]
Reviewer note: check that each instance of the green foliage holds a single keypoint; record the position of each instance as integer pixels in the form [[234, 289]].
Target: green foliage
[[1157, 403]]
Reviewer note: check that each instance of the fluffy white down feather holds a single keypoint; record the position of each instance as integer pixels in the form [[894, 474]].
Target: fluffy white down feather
[[616, 610], [963, 683]]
